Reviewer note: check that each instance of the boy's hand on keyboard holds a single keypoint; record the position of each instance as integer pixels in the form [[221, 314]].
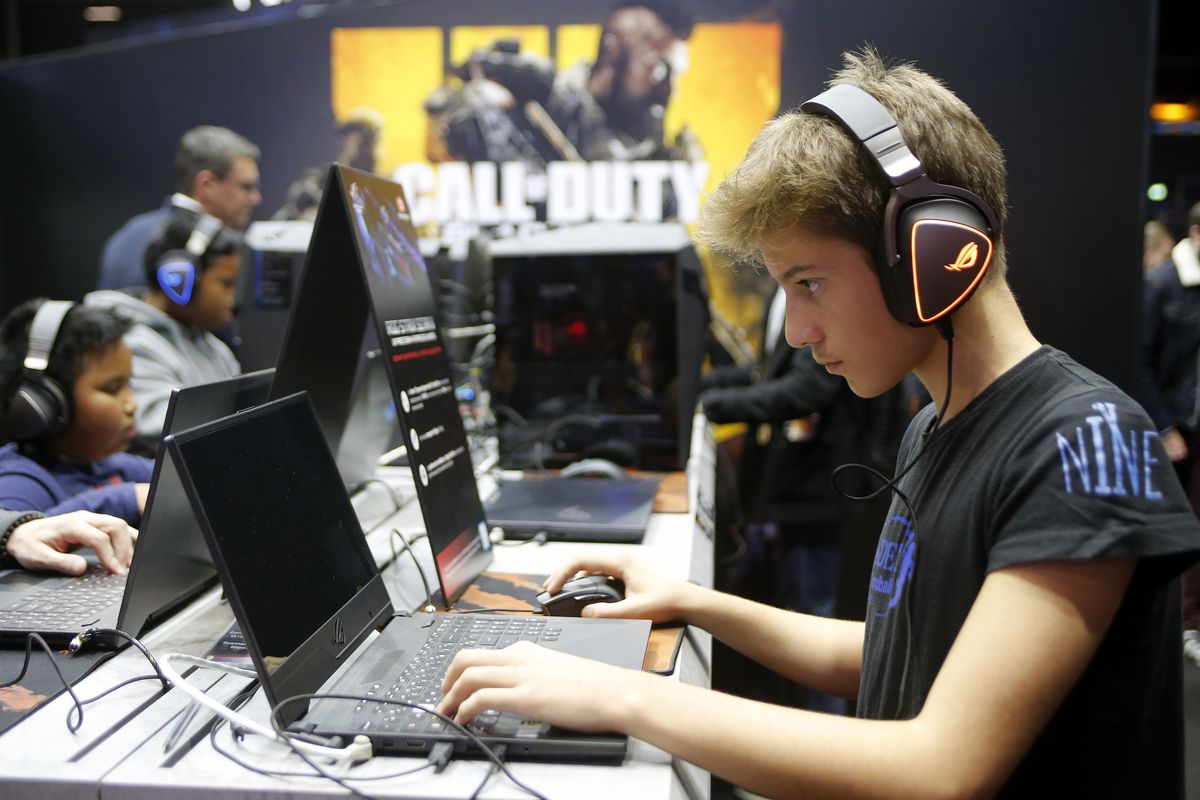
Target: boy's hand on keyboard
[[45, 544], [547, 685]]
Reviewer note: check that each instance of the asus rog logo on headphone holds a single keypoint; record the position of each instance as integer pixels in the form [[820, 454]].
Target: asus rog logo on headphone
[[966, 258], [339, 633]]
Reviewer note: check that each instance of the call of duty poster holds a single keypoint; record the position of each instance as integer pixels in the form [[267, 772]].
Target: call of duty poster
[[514, 128]]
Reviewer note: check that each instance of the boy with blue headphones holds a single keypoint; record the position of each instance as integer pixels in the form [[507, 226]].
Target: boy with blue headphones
[[1021, 635], [191, 267]]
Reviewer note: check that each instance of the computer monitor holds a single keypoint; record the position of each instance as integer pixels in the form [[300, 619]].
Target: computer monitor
[[272, 262], [329, 348], [600, 331]]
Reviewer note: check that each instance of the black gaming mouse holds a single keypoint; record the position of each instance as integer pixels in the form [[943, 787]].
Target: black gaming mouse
[[579, 592]]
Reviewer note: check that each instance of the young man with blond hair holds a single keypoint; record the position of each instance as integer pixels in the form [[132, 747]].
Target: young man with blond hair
[[1021, 637]]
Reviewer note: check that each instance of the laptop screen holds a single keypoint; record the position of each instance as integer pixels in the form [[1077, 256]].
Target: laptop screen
[[285, 537], [171, 563], [401, 296]]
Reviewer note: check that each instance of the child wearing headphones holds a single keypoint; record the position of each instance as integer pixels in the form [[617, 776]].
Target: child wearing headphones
[[191, 266], [1021, 635], [68, 413]]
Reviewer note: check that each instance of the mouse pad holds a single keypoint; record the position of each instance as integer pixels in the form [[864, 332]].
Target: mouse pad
[[40, 683], [516, 593]]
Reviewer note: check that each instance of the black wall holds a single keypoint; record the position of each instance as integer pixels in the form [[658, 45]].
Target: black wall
[[87, 140]]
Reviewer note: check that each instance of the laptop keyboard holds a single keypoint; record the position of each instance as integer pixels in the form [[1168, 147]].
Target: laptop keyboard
[[64, 606], [420, 681]]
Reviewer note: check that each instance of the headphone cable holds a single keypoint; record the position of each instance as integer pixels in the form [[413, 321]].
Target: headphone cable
[[947, 331]]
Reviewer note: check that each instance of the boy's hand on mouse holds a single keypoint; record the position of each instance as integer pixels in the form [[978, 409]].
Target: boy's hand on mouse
[[649, 593], [553, 687], [45, 543]]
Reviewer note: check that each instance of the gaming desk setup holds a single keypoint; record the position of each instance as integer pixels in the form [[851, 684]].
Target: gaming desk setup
[[591, 375]]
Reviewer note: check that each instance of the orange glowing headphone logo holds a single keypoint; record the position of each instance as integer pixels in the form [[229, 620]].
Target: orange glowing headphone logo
[[966, 258]]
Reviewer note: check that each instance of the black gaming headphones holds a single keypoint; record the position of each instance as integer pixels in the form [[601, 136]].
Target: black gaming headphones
[[40, 406], [176, 271], [937, 239]]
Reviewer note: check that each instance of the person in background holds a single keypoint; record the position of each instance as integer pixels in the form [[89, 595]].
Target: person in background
[[72, 457], [215, 172], [190, 269], [1157, 243], [35, 542], [1168, 384]]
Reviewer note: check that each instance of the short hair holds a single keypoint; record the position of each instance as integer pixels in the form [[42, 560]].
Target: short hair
[[1193, 217], [85, 331], [173, 234], [805, 172], [209, 147]]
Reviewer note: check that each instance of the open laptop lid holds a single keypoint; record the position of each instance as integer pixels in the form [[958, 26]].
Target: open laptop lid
[[171, 564], [285, 541], [402, 300]]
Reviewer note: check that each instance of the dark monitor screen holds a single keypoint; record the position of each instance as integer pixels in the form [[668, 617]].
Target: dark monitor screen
[[281, 526], [588, 356]]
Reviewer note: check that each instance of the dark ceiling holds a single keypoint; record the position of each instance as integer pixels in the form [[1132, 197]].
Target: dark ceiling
[[31, 27]]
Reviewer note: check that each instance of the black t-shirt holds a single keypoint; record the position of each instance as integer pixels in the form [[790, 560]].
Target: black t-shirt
[[1049, 462]]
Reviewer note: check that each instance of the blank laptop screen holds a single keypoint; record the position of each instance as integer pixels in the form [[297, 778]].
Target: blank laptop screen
[[287, 534]]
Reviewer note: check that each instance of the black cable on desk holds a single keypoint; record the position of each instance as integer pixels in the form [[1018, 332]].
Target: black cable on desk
[[75, 714], [30, 639], [500, 753], [478, 742], [420, 571], [397, 501]]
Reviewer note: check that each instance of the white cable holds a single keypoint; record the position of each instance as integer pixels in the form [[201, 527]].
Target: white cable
[[358, 750]]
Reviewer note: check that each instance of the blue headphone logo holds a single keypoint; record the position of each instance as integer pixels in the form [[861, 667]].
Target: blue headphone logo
[[177, 279]]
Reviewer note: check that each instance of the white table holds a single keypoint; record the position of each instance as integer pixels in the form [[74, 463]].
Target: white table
[[119, 752]]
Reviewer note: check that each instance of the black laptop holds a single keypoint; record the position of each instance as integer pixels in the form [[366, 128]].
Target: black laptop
[[574, 509], [171, 564], [306, 593]]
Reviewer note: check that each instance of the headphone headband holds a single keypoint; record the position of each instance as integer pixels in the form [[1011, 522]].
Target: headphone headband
[[206, 229], [43, 331], [871, 124]]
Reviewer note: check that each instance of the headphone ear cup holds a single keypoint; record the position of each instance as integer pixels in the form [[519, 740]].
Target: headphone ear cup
[[39, 408], [176, 276], [944, 250]]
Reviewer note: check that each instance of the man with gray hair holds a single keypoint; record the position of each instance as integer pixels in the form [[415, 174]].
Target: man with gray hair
[[215, 172]]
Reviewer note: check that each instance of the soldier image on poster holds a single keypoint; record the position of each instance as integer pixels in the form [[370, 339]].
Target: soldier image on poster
[[359, 143], [512, 106]]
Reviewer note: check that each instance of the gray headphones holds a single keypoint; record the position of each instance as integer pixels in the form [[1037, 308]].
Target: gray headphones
[[40, 406]]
